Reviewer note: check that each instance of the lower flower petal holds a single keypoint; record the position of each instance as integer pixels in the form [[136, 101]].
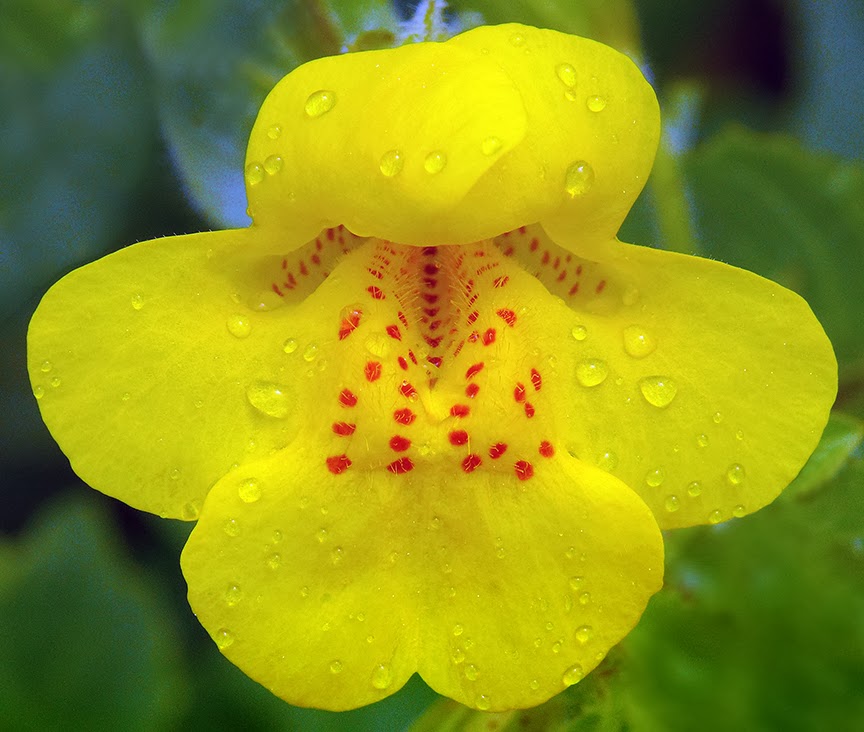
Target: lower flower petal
[[331, 589]]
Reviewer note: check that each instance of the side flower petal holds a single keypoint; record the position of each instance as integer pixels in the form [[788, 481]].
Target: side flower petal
[[332, 588], [702, 386]]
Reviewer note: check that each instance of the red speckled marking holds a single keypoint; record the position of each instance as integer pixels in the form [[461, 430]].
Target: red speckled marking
[[393, 332], [400, 466], [338, 464], [600, 286], [458, 437], [489, 337], [376, 292], [372, 371], [473, 370], [523, 469], [507, 315], [344, 428], [460, 410], [471, 390], [403, 364], [471, 463], [501, 281], [536, 379], [407, 390], [529, 410], [399, 443], [404, 416], [519, 392], [349, 324], [546, 449], [347, 398], [497, 450]]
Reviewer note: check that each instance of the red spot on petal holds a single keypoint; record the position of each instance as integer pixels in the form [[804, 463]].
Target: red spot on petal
[[435, 361], [344, 428], [376, 292], [349, 324], [471, 390], [546, 257], [460, 410], [347, 398], [338, 464], [471, 463], [473, 370], [458, 437], [399, 443], [529, 410], [407, 390], [412, 357], [402, 465], [501, 281], [331, 234], [573, 290], [316, 260], [546, 449], [519, 392], [403, 364], [535, 242], [523, 469], [489, 337], [393, 332], [497, 450], [508, 316], [472, 316], [600, 286], [404, 416], [277, 290], [303, 270], [536, 379], [402, 318], [372, 371]]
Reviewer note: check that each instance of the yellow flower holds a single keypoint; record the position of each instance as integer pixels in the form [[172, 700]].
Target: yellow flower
[[429, 413]]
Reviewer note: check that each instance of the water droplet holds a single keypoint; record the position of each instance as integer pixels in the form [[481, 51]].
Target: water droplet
[[304, 591], [566, 75], [517, 39], [239, 326], [735, 474], [391, 163], [584, 598], [274, 561], [337, 555], [273, 164], [249, 490], [45, 367], [637, 342], [739, 511], [549, 625], [435, 523], [739, 435], [718, 418], [233, 595], [55, 382], [659, 391], [269, 398], [38, 392], [274, 131], [607, 461], [471, 672], [702, 440], [534, 684], [655, 477], [694, 489], [458, 629], [223, 638], [254, 173], [491, 145], [319, 102], [556, 647], [310, 352], [382, 676], [435, 162], [573, 675], [578, 179], [277, 536], [583, 633], [190, 511], [290, 345], [671, 504], [321, 535], [378, 344], [483, 702], [579, 332], [335, 667], [595, 103], [469, 643], [592, 372], [458, 655], [715, 517], [576, 582]]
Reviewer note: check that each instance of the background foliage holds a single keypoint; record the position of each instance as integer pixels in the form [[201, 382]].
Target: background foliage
[[127, 119]]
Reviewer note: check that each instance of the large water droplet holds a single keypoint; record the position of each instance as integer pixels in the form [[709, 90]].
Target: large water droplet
[[233, 595], [655, 477], [579, 332], [583, 633], [269, 398], [637, 342], [483, 702], [391, 163], [578, 179], [595, 103], [290, 345], [273, 164], [249, 490], [382, 676], [239, 326], [591, 372], [573, 675], [694, 489], [671, 504], [584, 598], [254, 173], [739, 511], [274, 131], [491, 145], [223, 638], [735, 474], [659, 391], [435, 162], [471, 672], [458, 655], [715, 517], [38, 392], [319, 102], [310, 353], [566, 75]]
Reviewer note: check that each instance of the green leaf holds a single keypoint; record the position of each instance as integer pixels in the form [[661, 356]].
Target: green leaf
[[85, 642], [765, 203]]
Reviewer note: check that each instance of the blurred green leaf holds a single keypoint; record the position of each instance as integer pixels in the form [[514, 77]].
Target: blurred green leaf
[[85, 642], [765, 203]]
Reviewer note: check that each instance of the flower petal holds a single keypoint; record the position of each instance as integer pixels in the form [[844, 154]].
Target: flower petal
[[332, 589], [454, 142], [702, 386], [148, 365]]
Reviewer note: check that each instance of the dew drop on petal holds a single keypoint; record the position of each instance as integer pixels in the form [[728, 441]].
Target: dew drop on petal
[[471, 672], [274, 131], [190, 511], [239, 326], [739, 511], [38, 392], [576, 582], [583, 633], [231, 527], [223, 638], [137, 301], [735, 474], [458, 629], [607, 461], [491, 145], [659, 391], [671, 504], [578, 179], [290, 345], [702, 440], [637, 342], [517, 39], [591, 372], [579, 332], [335, 667], [273, 164], [739, 435], [715, 517], [483, 702], [584, 598], [310, 353], [249, 490], [382, 676], [534, 684], [319, 102], [694, 489], [269, 398], [718, 418], [55, 382], [655, 477], [458, 655], [566, 75], [254, 173], [274, 561], [595, 103], [391, 163], [233, 595], [573, 675], [435, 162]]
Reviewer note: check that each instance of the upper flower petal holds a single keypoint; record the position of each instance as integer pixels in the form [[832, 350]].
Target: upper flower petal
[[449, 143]]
